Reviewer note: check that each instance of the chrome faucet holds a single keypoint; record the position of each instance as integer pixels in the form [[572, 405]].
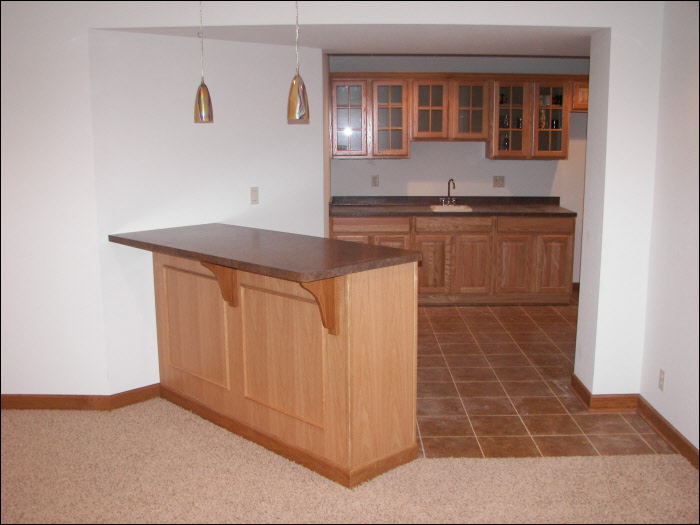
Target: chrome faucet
[[451, 183]]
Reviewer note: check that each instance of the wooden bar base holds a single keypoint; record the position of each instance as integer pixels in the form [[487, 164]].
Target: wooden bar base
[[328, 469]]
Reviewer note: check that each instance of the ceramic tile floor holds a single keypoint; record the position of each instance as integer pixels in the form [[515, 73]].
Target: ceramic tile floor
[[494, 381]]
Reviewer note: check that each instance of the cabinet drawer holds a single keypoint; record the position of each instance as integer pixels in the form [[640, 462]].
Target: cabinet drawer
[[371, 224], [454, 224], [536, 224]]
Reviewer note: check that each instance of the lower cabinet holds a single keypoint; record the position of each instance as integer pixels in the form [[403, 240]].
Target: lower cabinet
[[477, 260], [382, 231], [434, 270]]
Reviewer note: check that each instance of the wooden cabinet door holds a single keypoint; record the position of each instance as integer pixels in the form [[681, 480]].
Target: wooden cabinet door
[[555, 263], [352, 238], [511, 120], [515, 264], [471, 263], [389, 135], [551, 120], [349, 118], [434, 271], [579, 102], [430, 99], [468, 110], [392, 241]]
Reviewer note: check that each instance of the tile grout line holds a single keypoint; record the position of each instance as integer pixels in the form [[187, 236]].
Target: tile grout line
[[507, 394], [449, 369], [567, 410]]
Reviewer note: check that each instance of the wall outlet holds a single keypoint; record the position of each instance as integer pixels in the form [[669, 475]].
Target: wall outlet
[[375, 180], [662, 379], [254, 195], [499, 181]]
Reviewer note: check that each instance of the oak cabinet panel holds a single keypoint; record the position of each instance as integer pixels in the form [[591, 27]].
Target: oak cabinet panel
[[472, 267], [402, 242], [434, 270], [554, 263], [579, 99], [514, 264]]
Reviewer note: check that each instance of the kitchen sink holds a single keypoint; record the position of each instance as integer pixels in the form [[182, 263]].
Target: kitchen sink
[[451, 208]]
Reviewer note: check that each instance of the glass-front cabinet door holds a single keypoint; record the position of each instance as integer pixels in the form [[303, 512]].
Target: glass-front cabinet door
[[349, 117], [551, 130], [511, 120], [468, 107], [430, 108], [390, 122]]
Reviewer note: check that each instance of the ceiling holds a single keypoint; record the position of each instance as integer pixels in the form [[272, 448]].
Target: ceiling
[[405, 39]]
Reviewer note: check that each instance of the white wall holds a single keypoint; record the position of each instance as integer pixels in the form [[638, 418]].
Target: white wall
[[154, 168], [56, 336], [672, 304]]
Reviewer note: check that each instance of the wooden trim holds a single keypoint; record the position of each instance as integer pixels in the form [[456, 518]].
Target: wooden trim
[[636, 403], [328, 469], [76, 402], [667, 432], [603, 403]]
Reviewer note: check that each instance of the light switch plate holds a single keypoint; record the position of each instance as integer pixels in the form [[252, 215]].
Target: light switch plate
[[499, 181], [375, 180], [254, 195]]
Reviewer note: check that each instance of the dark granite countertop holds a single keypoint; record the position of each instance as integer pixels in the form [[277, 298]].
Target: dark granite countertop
[[420, 206], [299, 258]]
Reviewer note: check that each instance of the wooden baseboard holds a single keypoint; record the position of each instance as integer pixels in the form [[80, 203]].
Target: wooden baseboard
[[603, 403], [637, 404], [339, 474], [668, 432], [72, 402]]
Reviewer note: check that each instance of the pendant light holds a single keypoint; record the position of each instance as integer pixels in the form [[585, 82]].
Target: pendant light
[[203, 111], [298, 104]]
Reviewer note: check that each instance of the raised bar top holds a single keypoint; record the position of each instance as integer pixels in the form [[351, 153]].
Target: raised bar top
[[300, 258]]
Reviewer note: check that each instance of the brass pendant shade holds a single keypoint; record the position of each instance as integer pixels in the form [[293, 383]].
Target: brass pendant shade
[[298, 104], [203, 112]]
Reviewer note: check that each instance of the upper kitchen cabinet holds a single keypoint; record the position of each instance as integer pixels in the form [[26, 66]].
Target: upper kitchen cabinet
[[551, 136], [390, 122], [377, 115], [349, 133], [579, 98], [530, 118], [430, 98], [468, 110], [511, 120]]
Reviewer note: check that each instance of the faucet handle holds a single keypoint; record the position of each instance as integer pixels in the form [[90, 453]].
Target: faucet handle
[[453, 201], [443, 201]]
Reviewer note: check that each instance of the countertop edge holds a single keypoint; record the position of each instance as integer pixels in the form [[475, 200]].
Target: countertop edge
[[270, 271]]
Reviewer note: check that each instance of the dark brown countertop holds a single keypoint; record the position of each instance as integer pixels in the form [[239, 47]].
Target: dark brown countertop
[[299, 258], [420, 206]]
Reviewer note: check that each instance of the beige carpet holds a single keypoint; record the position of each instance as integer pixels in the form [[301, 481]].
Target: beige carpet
[[156, 463]]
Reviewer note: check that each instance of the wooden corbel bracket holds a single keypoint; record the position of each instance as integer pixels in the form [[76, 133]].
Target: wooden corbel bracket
[[327, 294], [227, 282]]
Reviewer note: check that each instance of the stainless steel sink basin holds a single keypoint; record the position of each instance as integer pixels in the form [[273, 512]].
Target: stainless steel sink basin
[[451, 208]]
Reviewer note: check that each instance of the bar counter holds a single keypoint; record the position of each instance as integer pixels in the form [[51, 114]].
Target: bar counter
[[304, 345]]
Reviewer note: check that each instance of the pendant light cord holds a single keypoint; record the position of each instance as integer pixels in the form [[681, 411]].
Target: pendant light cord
[[201, 38], [297, 40]]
